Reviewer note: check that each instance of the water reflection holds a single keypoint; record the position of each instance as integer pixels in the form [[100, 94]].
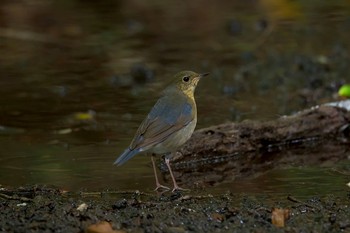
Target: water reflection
[[267, 58]]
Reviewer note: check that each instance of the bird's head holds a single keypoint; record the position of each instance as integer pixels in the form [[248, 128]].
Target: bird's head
[[186, 81]]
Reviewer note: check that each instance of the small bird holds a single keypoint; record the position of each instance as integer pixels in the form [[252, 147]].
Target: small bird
[[169, 124]]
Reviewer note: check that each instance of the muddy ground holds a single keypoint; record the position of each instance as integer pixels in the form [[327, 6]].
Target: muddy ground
[[44, 209], [262, 147]]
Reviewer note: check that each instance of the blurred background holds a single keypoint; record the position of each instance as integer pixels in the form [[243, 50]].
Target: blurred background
[[77, 78]]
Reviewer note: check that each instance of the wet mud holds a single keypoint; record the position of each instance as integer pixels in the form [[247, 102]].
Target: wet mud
[[47, 209]]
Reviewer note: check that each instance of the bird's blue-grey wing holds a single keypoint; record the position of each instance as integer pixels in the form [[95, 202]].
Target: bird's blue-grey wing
[[166, 117]]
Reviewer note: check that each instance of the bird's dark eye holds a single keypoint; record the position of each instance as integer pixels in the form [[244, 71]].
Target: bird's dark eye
[[186, 79]]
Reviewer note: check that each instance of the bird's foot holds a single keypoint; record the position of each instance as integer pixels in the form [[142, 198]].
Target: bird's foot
[[159, 186], [177, 188]]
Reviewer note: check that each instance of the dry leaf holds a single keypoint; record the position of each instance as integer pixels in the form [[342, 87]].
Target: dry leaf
[[279, 216], [102, 227]]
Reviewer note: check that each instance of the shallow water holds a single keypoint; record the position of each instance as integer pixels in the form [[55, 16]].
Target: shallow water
[[77, 79]]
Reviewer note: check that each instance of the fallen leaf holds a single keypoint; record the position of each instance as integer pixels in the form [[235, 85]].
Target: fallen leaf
[[279, 216], [102, 227], [85, 116]]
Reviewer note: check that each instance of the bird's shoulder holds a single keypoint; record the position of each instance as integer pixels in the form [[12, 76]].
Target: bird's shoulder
[[171, 106]]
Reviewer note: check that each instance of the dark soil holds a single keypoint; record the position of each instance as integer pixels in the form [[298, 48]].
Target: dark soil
[[43, 209]]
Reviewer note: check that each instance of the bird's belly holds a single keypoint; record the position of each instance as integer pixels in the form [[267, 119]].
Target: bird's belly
[[176, 139]]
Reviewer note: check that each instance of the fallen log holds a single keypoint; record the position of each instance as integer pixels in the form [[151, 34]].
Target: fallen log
[[239, 150]]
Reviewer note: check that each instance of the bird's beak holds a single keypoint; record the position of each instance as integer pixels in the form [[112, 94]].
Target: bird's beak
[[202, 75]]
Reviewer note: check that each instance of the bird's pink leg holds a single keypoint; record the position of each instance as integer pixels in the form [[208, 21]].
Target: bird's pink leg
[[158, 185], [176, 187]]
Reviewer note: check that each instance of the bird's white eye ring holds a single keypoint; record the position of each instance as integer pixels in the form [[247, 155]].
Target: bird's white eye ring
[[186, 78]]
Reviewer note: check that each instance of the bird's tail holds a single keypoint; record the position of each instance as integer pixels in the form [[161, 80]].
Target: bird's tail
[[127, 154]]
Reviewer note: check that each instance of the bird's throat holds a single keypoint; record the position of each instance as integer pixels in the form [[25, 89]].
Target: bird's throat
[[189, 92]]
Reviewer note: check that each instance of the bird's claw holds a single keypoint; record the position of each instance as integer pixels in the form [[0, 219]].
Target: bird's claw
[[159, 186], [177, 188]]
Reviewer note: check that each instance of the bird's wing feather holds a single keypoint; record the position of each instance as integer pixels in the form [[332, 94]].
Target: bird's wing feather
[[127, 154], [167, 116]]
